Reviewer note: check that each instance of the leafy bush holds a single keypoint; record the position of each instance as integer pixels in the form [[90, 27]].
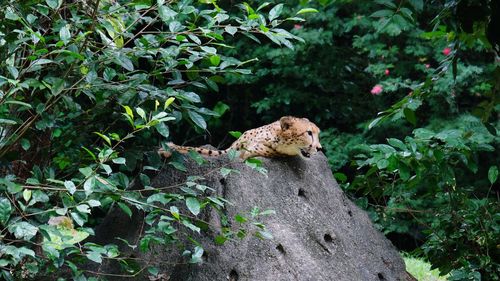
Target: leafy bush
[[421, 270], [438, 184], [88, 89]]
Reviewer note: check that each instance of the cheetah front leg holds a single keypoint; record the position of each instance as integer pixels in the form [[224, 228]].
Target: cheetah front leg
[[257, 150]]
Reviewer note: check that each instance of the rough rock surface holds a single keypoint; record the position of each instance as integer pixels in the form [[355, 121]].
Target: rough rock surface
[[318, 233]]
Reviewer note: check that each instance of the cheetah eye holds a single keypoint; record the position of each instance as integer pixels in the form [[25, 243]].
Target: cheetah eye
[[310, 133]]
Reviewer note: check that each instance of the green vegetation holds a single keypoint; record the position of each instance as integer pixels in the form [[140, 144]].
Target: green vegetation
[[421, 270], [406, 94]]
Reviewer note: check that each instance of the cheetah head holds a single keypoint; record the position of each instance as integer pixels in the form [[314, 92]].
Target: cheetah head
[[301, 136]]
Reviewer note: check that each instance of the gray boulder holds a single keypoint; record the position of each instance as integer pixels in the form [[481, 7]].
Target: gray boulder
[[318, 233]]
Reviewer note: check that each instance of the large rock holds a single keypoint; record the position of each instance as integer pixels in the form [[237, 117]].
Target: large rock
[[318, 233]]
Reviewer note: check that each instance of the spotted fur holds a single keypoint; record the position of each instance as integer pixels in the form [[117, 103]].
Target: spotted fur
[[288, 136]]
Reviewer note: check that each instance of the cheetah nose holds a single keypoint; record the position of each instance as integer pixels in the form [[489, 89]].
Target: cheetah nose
[[319, 148]]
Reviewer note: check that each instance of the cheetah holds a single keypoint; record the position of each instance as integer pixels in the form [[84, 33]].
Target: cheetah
[[289, 136]]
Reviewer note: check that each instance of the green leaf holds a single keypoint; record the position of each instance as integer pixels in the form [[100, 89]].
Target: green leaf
[[375, 122], [88, 186], [65, 34], [382, 13], [7, 121], [493, 174], [109, 74], [225, 172], [20, 103], [197, 254], [306, 10], [158, 197], [235, 134], [193, 205], [215, 60], [123, 61], [212, 85], [262, 6], [166, 14], [10, 14], [27, 195], [196, 157], [216, 200], [396, 143], [83, 208], [86, 171], [54, 4], [267, 213], [25, 144], [125, 208], [5, 210], [382, 163], [106, 138], [418, 5], [240, 219], [179, 166], [191, 226], [119, 160], [220, 239], [387, 3], [197, 119], [141, 112], [404, 171], [190, 96], [231, 29], [129, 111], [153, 270], [78, 218], [175, 212], [94, 256], [210, 50], [13, 71], [168, 102], [163, 129], [23, 230], [340, 177], [94, 203], [175, 26], [275, 12], [410, 116], [263, 234]]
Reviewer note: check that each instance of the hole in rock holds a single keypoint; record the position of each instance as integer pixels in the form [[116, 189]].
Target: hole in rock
[[233, 275], [222, 181], [302, 193], [280, 249], [328, 238], [381, 276], [349, 213]]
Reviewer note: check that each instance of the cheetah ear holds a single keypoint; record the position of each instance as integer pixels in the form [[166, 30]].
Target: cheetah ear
[[286, 122]]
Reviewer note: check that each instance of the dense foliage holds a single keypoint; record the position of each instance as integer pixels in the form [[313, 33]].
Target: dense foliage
[[88, 91], [406, 94]]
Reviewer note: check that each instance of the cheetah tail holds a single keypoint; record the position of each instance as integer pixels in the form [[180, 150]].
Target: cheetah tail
[[186, 149]]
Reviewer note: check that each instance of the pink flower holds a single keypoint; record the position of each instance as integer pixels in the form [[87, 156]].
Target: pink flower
[[387, 72], [446, 51], [297, 26], [427, 65], [377, 89]]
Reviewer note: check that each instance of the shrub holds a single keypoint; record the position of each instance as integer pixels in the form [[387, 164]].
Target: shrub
[[88, 89]]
